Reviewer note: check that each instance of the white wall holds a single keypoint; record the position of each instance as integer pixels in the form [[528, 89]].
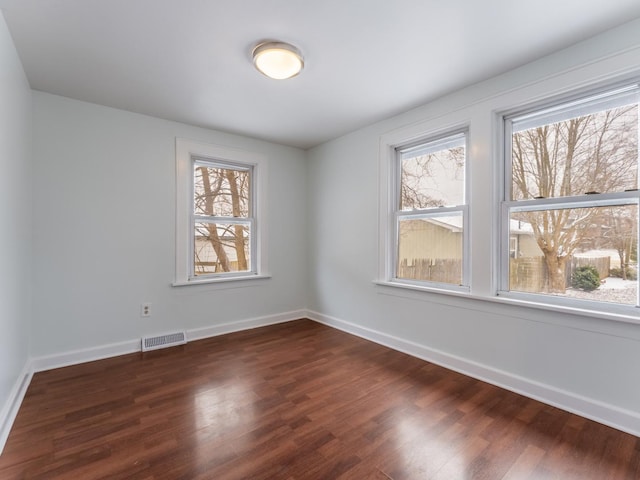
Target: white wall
[[15, 223], [104, 241], [585, 364]]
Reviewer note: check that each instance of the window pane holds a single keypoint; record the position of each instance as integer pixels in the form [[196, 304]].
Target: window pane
[[433, 177], [221, 247], [593, 153], [586, 253], [221, 192], [430, 249]]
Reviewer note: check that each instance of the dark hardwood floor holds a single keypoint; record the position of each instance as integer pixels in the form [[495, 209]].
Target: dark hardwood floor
[[296, 401]]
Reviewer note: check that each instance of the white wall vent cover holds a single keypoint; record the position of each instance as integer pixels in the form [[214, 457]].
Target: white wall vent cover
[[163, 341]]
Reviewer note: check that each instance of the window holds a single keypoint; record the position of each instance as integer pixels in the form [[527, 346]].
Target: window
[[219, 220], [430, 215], [222, 218], [570, 209]]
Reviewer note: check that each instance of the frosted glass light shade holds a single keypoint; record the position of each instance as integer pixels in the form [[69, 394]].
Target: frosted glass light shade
[[277, 60]]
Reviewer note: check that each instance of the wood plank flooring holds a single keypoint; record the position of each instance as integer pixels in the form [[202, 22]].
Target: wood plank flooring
[[296, 401]]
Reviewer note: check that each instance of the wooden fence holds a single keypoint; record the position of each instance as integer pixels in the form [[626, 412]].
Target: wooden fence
[[432, 270], [529, 274], [526, 274]]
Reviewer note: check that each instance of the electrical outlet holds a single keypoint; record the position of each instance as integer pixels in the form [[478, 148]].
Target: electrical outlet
[[145, 309]]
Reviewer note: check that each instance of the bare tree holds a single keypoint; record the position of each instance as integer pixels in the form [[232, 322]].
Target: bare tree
[[222, 192], [594, 153], [235, 177], [420, 187]]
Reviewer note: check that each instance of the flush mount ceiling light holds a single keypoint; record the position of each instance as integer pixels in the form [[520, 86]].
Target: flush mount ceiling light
[[277, 60]]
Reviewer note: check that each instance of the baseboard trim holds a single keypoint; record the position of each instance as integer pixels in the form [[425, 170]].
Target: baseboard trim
[[248, 324], [75, 357], [10, 409], [610, 415]]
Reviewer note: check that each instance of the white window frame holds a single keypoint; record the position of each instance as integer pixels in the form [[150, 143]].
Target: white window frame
[[249, 220], [390, 213], [543, 113], [188, 154]]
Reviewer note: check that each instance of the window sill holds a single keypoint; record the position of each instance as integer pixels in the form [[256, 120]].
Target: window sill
[[506, 298], [456, 291], [222, 280], [633, 317]]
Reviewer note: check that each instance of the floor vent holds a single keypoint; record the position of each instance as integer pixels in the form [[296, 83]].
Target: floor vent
[[163, 341]]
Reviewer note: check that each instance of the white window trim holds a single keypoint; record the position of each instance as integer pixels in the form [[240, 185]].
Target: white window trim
[[188, 150], [388, 204], [504, 176]]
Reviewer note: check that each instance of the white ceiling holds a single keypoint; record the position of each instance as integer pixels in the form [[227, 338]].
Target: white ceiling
[[189, 60]]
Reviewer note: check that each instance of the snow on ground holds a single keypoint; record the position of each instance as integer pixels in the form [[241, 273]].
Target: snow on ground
[[615, 290]]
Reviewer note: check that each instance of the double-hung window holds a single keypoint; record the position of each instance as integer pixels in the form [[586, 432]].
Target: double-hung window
[[570, 209], [220, 219], [430, 214]]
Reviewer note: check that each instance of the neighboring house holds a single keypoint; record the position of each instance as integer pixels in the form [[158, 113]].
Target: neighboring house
[[206, 260], [522, 242], [441, 238]]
